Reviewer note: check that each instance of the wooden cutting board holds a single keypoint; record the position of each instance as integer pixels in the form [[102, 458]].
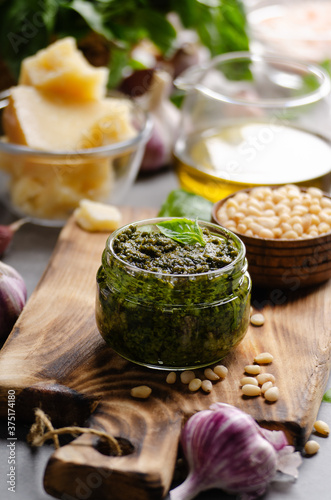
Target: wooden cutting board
[[56, 359]]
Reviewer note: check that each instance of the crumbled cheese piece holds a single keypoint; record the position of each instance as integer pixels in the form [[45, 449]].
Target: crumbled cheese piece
[[94, 216]]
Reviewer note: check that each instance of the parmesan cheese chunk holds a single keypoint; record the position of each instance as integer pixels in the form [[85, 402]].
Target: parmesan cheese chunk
[[63, 70], [94, 216], [44, 122]]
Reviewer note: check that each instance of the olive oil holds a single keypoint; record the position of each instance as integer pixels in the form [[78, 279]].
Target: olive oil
[[219, 162]]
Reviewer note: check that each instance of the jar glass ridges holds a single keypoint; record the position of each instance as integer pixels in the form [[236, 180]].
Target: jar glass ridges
[[172, 321]]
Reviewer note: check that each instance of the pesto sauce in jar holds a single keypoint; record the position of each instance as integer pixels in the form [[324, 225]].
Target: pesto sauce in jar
[[153, 251], [166, 305]]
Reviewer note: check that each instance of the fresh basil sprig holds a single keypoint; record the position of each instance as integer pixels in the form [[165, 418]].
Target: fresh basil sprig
[[182, 230], [182, 203]]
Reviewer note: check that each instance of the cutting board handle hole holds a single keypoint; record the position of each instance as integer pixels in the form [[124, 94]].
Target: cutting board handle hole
[[103, 446]]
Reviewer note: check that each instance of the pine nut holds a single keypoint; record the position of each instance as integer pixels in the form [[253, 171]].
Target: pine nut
[[266, 386], [313, 191], [268, 223], [325, 203], [262, 378], [211, 375], [206, 386], [249, 380], [311, 447], [315, 209], [171, 378], [264, 358], [253, 369], [285, 226], [187, 376], [251, 390], [221, 371], [315, 219], [323, 227], [265, 233], [322, 427], [141, 391], [277, 232], [290, 235], [242, 228], [194, 384], [272, 394], [257, 319]]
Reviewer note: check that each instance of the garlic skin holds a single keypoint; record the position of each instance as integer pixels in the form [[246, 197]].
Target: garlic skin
[[7, 233], [165, 117], [13, 296], [225, 448]]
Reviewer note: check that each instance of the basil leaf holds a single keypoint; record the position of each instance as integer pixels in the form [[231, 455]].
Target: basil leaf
[[91, 16], [327, 396], [182, 230], [182, 203]]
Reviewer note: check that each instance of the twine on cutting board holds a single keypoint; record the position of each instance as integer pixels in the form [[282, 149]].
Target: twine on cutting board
[[42, 430]]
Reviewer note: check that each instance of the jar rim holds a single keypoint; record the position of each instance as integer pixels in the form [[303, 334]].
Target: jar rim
[[210, 225], [191, 80]]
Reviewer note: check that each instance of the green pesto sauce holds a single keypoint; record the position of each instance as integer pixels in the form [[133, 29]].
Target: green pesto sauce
[[163, 321], [153, 251]]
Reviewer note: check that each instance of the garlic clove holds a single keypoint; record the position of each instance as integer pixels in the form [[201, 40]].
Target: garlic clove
[[166, 119], [7, 233], [13, 296]]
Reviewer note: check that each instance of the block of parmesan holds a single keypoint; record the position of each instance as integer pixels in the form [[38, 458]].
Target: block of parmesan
[[94, 216], [44, 122], [62, 69]]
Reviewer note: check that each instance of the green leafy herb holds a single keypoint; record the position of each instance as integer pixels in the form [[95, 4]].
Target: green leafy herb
[[182, 230], [26, 27], [182, 203], [327, 396]]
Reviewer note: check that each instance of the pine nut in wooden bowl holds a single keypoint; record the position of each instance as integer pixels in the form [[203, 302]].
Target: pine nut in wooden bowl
[[286, 231]]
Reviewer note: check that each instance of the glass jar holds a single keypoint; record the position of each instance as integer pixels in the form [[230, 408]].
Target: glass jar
[[253, 120], [172, 321]]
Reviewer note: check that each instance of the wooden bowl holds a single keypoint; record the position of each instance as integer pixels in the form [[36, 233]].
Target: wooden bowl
[[284, 263]]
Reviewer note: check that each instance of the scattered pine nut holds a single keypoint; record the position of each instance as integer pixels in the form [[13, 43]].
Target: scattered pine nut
[[195, 384], [311, 447], [251, 390], [211, 375], [257, 319], [253, 369], [322, 427], [186, 376], [266, 386], [272, 394], [221, 371], [262, 378], [249, 380], [206, 386], [171, 378], [141, 391], [264, 358]]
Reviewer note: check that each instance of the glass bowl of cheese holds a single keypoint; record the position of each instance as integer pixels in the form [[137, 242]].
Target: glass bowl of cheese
[[64, 138]]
